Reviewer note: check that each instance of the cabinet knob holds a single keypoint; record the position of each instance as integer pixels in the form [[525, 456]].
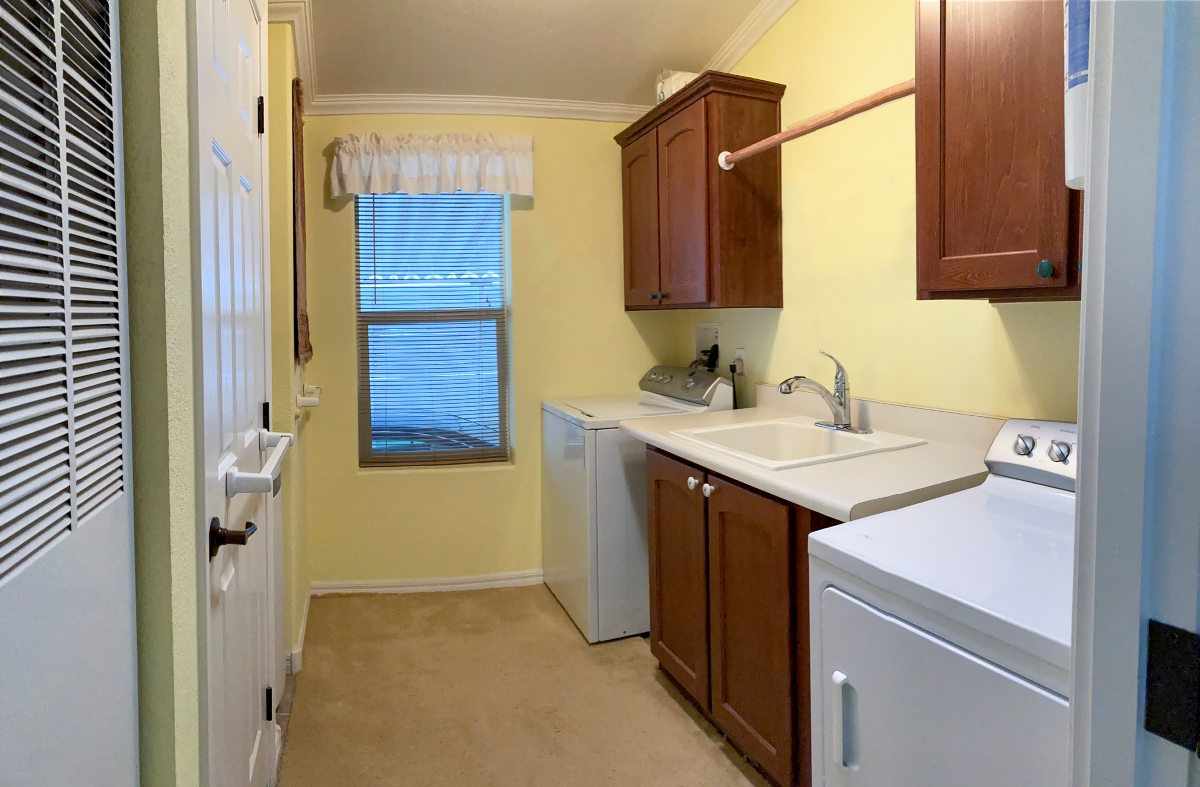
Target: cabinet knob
[[707, 489], [692, 482], [1045, 269], [653, 296]]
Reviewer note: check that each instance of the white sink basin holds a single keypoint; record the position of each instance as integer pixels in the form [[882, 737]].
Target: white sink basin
[[792, 442]]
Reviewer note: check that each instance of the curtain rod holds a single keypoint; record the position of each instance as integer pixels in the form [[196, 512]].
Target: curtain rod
[[727, 159]]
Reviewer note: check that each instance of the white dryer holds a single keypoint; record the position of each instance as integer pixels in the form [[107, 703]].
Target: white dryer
[[594, 548], [941, 633]]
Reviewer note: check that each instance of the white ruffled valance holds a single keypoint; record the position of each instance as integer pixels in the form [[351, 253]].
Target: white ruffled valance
[[419, 164]]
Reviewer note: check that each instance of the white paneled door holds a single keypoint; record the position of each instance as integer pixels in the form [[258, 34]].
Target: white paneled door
[[241, 458], [68, 679]]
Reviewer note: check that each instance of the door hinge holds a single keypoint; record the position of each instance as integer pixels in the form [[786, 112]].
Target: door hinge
[[1173, 684], [262, 116], [270, 705], [266, 416]]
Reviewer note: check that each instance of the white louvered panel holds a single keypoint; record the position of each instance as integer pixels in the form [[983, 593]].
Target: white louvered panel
[[35, 470], [96, 381]]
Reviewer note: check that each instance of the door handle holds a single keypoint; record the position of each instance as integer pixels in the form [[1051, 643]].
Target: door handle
[[267, 479], [219, 536], [708, 489], [845, 752], [692, 481]]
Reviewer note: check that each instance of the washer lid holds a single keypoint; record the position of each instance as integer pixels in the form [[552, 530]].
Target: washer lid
[[998, 558], [607, 412]]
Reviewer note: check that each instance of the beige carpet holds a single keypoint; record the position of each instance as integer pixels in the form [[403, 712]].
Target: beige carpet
[[489, 687]]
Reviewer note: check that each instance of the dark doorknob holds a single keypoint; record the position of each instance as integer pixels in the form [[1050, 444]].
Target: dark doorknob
[[219, 536]]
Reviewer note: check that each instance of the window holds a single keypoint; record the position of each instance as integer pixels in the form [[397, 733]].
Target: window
[[432, 329]]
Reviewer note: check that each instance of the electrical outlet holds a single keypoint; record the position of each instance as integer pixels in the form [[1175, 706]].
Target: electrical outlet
[[707, 334], [739, 360]]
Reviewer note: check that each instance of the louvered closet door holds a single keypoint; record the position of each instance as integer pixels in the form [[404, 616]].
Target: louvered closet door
[[68, 708]]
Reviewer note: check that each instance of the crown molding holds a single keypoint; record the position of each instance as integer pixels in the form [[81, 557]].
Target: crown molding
[[411, 104], [298, 14], [749, 32]]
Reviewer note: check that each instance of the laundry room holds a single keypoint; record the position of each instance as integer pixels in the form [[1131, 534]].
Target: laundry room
[[562, 442], [685, 392]]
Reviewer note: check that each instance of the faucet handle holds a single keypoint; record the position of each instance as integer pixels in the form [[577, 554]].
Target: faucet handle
[[839, 375]]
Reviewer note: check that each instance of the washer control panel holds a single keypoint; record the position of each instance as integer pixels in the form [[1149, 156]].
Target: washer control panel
[[697, 386], [1042, 452]]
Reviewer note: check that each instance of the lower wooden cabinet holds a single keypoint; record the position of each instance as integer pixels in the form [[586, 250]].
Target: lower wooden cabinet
[[729, 608], [678, 573]]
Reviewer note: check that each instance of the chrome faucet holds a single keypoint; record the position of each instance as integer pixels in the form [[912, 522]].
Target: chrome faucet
[[838, 401]]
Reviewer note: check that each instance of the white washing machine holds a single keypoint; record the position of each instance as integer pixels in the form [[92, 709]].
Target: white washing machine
[[941, 633], [594, 549]]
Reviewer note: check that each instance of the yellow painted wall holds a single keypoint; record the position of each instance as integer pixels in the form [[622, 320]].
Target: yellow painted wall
[[287, 376], [570, 336], [159, 239], [850, 249]]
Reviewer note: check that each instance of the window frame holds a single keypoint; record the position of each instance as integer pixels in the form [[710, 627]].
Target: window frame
[[367, 456]]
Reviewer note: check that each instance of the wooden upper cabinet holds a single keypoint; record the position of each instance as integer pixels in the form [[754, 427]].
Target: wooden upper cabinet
[[683, 208], [711, 238], [994, 216], [639, 185]]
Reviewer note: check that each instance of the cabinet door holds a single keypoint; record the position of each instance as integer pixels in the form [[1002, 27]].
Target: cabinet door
[[639, 185], [678, 573], [993, 209], [683, 207], [750, 603]]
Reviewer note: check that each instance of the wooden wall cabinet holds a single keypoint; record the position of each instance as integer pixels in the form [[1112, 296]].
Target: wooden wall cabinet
[[698, 236], [994, 216], [729, 609]]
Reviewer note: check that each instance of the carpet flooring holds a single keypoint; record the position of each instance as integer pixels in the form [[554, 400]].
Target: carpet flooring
[[488, 687]]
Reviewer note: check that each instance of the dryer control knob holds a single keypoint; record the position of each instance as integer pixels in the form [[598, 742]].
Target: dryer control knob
[[1059, 451], [1024, 445]]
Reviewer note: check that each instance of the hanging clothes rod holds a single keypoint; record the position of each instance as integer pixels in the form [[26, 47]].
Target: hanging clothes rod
[[727, 159]]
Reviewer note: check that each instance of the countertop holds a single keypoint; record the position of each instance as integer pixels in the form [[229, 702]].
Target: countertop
[[851, 488]]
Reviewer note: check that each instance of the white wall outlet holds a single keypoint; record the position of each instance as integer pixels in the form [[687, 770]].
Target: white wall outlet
[[739, 361], [707, 334]]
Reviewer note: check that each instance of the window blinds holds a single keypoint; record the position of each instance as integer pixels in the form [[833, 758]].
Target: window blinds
[[432, 329], [61, 373]]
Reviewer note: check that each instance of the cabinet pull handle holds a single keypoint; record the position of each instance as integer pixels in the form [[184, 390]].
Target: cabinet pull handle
[[653, 296], [692, 482], [844, 749], [708, 489]]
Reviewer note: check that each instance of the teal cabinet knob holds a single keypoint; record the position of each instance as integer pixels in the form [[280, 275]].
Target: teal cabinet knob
[[1045, 269]]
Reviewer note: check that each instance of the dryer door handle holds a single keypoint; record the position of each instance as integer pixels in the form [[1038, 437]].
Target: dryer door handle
[[845, 749]]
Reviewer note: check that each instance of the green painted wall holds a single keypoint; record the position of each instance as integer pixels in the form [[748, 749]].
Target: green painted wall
[[158, 186]]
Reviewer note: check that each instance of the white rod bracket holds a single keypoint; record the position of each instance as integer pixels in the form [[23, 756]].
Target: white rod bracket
[[724, 162]]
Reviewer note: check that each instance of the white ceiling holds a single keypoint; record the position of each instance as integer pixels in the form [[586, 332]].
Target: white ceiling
[[606, 51]]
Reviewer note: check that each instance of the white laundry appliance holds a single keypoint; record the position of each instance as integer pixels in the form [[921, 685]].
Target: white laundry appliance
[[941, 633], [594, 549]]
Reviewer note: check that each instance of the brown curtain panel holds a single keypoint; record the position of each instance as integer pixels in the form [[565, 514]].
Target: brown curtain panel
[[304, 348]]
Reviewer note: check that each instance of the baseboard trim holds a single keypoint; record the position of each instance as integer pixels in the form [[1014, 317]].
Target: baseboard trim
[[504, 579], [296, 657]]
